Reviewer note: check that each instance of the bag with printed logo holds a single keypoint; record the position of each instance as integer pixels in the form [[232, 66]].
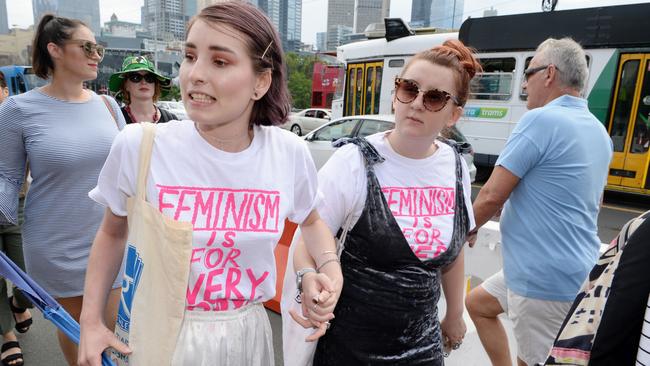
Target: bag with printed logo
[[155, 275]]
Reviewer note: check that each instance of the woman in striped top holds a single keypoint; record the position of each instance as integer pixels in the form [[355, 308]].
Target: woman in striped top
[[65, 132]]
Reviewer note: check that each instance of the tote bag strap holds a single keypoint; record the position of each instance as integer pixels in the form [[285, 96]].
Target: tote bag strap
[[146, 146]]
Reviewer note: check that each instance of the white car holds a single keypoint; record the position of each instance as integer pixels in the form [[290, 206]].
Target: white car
[[307, 120], [174, 107], [320, 140]]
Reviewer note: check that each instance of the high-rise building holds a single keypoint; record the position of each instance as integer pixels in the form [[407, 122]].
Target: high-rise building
[[164, 19], [4, 19], [421, 13], [340, 18], [290, 24], [321, 41], [286, 16], [369, 11], [446, 14], [84, 10]]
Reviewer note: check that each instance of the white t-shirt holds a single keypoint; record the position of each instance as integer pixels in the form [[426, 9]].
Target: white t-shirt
[[237, 203], [421, 193]]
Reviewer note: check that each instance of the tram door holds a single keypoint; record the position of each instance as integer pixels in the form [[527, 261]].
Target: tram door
[[363, 88], [629, 125]]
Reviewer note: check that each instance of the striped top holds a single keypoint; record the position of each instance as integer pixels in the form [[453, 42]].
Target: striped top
[[66, 144], [643, 355]]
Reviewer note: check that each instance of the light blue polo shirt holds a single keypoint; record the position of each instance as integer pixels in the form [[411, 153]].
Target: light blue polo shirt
[[561, 153]]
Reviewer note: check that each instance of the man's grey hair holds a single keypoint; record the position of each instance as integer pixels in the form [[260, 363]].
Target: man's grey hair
[[569, 58]]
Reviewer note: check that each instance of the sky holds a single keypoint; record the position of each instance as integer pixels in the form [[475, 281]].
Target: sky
[[314, 12]]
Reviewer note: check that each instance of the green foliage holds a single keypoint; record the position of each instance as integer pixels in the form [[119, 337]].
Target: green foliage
[[299, 71], [174, 94]]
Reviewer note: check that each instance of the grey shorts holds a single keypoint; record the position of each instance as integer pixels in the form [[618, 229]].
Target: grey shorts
[[536, 322]]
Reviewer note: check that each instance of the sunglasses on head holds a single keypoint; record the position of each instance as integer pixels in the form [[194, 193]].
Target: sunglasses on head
[[90, 48], [136, 78], [434, 100]]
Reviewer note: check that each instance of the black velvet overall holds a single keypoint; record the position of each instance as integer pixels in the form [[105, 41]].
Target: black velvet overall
[[387, 313]]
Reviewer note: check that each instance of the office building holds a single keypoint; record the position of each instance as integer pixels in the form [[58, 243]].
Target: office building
[[84, 10], [164, 19], [367, 12], [340, 19], [447, 14], [4, 17], [321, 41]]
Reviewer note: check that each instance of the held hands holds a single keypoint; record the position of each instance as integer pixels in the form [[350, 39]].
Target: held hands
[[94, 340], [320, 294], [453, 331]]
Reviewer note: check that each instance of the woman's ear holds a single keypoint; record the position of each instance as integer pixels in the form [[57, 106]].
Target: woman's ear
[[262, 84], [55, 51], [455, 116]]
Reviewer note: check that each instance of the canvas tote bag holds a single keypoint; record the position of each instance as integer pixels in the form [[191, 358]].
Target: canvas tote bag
[[155, 275]]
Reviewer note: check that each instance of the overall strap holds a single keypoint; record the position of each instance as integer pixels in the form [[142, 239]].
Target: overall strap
[[369, 153], [146, 146]]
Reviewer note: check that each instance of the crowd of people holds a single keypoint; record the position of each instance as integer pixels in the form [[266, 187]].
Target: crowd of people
[[103, 174]]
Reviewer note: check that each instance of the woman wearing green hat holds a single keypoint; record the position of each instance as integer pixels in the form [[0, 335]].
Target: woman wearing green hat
[[139, 86]]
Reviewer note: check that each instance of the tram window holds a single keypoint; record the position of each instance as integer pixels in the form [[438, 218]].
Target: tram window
[[358, 99], [396, 63], [370, 74], [641, 132], [495, 82], [623, 105], [350, 97], [378, 76]]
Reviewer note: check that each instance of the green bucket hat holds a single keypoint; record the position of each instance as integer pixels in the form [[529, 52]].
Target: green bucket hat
[[135, 64]]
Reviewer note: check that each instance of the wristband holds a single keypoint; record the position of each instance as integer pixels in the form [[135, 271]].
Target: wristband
[[299, 275], [326, 262]]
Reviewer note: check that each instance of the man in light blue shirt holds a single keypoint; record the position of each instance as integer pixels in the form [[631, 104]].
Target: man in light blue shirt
[[549, 180]]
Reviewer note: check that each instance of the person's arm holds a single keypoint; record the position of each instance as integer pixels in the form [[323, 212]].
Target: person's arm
[[104, 263], [13, 159], [453, 277], [491, 198], [316, 249], [322, 290]]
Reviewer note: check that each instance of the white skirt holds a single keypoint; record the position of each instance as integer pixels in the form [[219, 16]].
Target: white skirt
[[228, 338]]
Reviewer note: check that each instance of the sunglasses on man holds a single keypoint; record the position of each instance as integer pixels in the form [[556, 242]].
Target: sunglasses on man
[[90, 48], [532, 71], [136, 78], [434, 100]]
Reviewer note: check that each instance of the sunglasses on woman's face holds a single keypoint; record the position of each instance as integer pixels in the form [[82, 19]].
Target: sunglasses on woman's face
[[136, 78], [434, 100], [90, 48]]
